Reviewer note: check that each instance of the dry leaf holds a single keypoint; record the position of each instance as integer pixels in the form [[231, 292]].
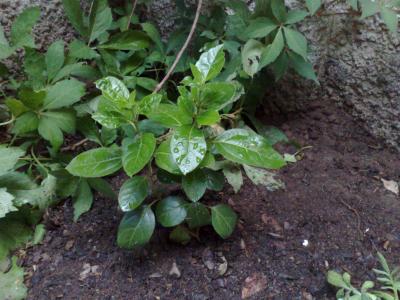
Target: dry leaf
[[391, 185], [253, 285], [175, 271]]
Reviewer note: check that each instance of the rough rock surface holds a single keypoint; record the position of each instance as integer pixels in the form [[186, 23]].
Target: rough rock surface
[[357, 62]]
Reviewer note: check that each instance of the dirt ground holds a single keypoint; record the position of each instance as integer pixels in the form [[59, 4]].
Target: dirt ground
[[334, 200]]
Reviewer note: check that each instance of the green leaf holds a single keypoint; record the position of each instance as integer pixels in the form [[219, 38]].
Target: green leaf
[[74, 11], [114, 90], [271, 53], [64, 94], [12, 283], [214, 180], [9, 158], [15, 106], [390, 18], [5, 49], [51, 133], [80, 50], [296, 41], [6, 203], [234, 176], [171, 211], [246, 147], [22, 27], [271, 133], [217, 95], [197, 215], [133, 192], [295, 16], [302, 67], [280, 66], [368, 8], [194, 184], [164, 158], [54, 59], [14, 233], [170, 115], [25, 123], [180, 235], [279, 10], [210, 64], [208, 117], [98, 162], [188, 148], [263, 177], [132, 40], [259, 28], [336, 279], [100, 19], [110, 115], [153, 33], [83, 199], [32, 99], [313, 5], [17, 181], [251, 55], [149, 103], [136, 228], [35, 68], [38, 236], [102, 186], [137, 152], [223, 220]]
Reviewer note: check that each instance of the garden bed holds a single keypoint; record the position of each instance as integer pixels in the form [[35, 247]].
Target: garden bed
[[334, 214]]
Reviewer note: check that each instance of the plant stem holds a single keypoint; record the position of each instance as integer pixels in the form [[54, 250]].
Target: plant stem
[[185, 45], [131, 15], [8, 122], [37, 160]]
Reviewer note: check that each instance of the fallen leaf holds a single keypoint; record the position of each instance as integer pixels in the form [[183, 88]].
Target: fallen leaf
[[175, 271], [391, 185], [263, 177], [222, 268], [253, 285], [267, 220]]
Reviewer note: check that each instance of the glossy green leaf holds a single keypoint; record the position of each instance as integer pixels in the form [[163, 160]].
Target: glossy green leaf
[[136, 228], [110, 115], [9, 158], [100, 19], [194, 184], [102, 186], [223, 220], [149, 103], [296, 41], [80, 50], [251, 55], [259, 28], [197, 215], [313, 5], [133, 192], [271, 53], [180, 235], [25, 123], [208, 117], [210, 64], [12, 283], [22, 27], [296, 15], [114, 90], [137, 152], [271, 133], [246, 147], [98, 162], [83, 200], [170, 115], [171, 211], [214, 180], [54, 58], [164, 158], [188, 148], [279, 10], [217, 95], [64, 94], [132, 40], [74, 11]]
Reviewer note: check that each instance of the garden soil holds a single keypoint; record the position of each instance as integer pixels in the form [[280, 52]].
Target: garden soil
[[334, 213]]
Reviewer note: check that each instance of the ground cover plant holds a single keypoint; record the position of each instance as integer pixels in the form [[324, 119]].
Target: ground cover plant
[[159, 110]]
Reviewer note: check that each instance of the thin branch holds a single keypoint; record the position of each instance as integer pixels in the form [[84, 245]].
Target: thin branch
[[131, 15], [185, 45], [74, 146]]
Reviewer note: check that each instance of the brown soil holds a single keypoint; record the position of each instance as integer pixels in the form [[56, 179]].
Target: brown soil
[[334, 199]]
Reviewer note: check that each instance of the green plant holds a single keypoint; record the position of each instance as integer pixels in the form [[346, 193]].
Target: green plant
[[388, 279], [191, 144]]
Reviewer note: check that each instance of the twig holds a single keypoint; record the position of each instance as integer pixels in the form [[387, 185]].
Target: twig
[[131, 15], [352, 209], [185, 45], [74, 146]]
